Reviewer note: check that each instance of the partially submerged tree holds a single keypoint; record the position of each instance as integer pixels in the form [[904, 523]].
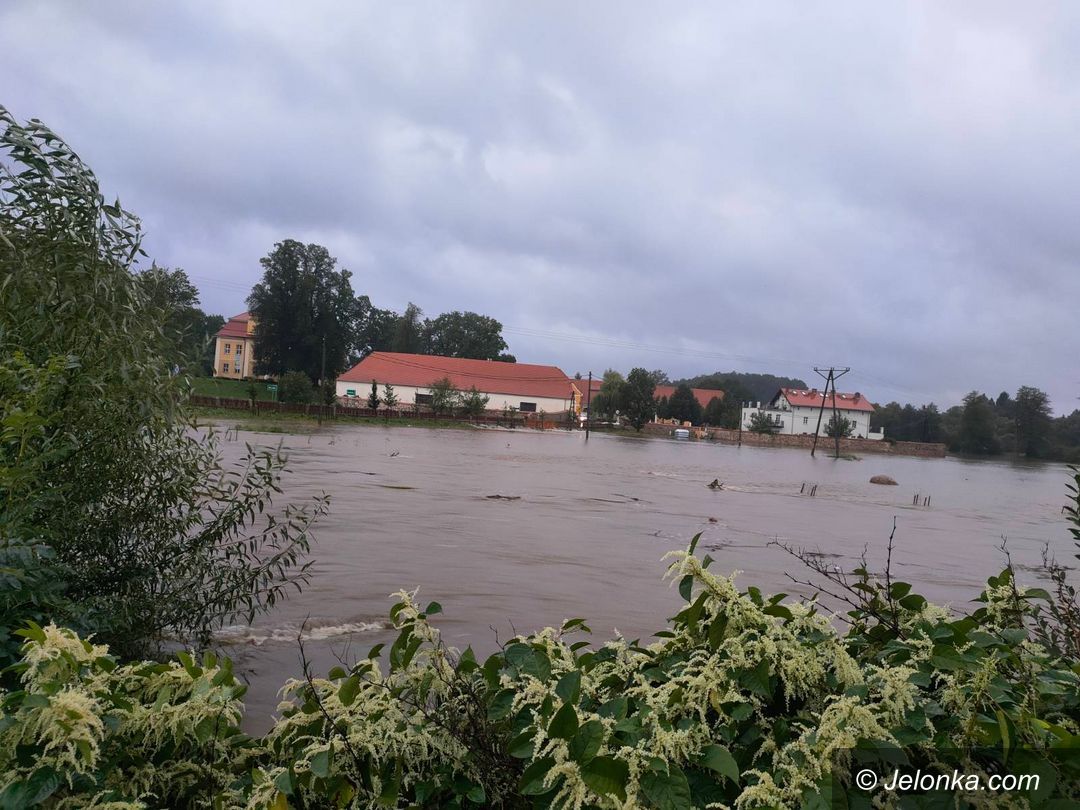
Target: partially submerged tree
[[473, 403], [373, 399], [639, 405], [839, 426], [762, 423]]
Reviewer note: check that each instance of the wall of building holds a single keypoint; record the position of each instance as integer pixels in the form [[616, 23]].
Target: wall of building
[[803, 420], [406, 396], [826, 445], [236, 370]]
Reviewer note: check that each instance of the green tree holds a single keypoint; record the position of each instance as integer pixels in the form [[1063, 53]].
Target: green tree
[[473, 403], [303, 307], [762, 423], [977, 432], [188, 330], [144, 533], [444, 396], [408, 334], [839, 426], [683, 405], [295, 387], [389, 398], [373, 398], [609, 397], [714, 412], [1033, 421], [638, 398], [465, 334], [375, 328]]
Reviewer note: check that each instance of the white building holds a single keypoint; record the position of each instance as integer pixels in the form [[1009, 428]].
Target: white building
[[796, 411], [518, 387]]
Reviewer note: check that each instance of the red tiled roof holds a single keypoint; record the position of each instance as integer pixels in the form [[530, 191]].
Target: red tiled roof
[[236, 326], [702, 395], [812, 399], [489, 376]]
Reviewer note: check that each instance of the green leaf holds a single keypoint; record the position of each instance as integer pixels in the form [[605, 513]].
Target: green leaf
[[606, 776], [719, 759], [686, 587], [757, 679], [320, 764], [569, 687], [433, 608], [532, 780], [587, 741], [694, 542], [347, 691], [666, 791], [501, 704], [284, 782], [521, 747], [564, 724]]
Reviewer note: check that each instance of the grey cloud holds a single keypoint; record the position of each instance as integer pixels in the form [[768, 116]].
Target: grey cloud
[[887, 187]]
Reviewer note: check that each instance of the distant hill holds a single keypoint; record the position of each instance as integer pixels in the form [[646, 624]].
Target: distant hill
[[753, 387]]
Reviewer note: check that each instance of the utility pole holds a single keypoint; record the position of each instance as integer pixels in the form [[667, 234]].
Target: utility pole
[[322, 380], [830, 379], [588, 407]]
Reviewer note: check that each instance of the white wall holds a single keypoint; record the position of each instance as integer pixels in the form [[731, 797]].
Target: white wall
[[803, 419], [406, 396]]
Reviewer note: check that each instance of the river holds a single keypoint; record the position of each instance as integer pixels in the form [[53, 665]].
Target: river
[[581, 528]]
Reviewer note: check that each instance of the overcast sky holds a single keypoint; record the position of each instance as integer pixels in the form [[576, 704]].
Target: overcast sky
[[693, 187]]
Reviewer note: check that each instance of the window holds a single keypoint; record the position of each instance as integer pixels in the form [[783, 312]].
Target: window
[[423, 399], [527, 407], [228, 348], [239, 347], [224, 368], [806, 420]]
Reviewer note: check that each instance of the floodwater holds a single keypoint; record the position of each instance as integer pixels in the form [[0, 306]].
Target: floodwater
[[581, 527]]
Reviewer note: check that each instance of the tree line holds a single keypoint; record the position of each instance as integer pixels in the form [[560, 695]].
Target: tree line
[[1021, 424]]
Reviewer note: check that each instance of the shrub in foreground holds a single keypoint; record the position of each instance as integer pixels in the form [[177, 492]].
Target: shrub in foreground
[[743, 701]]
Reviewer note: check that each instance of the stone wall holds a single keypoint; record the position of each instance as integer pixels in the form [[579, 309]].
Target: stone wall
[[825, 444]]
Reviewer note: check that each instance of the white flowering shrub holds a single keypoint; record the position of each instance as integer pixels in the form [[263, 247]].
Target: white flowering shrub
[[742, 701]]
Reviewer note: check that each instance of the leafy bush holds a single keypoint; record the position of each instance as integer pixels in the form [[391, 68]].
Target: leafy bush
[[296, 387], [114, 507], [743, 701]]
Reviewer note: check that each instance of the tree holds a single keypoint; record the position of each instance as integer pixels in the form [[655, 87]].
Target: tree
[[977, 434], [1032, 417], [444, 396], [303, 307], [762, 423], [295, 387], [683, 405], [464, 334], [375, 328], [389, 398], [839, 426], [473, 403], [714, 412], [506, 357], [188, 330], [659, 377], [373, 398], [109, 490], [408, 334], [609, 398], [639, 406]]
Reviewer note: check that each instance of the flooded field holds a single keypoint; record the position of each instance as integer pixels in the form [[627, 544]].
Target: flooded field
[[580, 528]]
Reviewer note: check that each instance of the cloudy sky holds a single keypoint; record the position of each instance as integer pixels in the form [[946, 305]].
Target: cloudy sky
[[697, 187]]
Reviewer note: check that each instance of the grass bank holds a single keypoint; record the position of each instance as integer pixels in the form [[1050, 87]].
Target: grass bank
[[309, 423]]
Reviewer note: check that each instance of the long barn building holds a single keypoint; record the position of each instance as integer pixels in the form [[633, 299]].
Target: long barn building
[[520, 387]]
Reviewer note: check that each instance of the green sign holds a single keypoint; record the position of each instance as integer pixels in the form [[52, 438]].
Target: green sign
[[271, 388]]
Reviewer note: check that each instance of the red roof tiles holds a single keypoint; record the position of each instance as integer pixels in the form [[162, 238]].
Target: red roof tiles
[[702, 395], [812, 399], [489, 376], [236, 326]]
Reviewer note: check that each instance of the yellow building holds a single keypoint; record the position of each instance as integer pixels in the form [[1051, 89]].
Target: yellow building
[[234, 354]]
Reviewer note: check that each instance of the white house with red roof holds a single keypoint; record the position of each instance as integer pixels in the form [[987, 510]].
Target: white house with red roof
[[520, 387], [796, 411]]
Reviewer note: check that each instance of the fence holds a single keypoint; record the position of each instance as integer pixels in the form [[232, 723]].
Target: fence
[[515, 420]]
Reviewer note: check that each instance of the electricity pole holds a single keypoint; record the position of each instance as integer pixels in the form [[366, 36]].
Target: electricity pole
[[830, 379], [588, 407], [322, 380]]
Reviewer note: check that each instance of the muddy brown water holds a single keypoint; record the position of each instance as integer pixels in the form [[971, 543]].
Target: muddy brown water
[[581, 528]]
